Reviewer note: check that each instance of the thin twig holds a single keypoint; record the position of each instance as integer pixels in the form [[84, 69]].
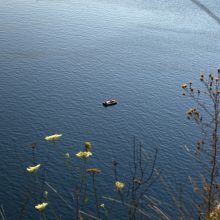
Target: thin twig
[[55, 191], [128, 205], [87, 214]]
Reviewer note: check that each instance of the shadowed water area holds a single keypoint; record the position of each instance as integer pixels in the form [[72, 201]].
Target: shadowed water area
[[59, 60]]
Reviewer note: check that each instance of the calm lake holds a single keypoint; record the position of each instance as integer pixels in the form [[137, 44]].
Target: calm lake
[[60, 59]]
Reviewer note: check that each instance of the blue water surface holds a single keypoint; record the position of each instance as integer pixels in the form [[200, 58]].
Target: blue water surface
[[59, 60]]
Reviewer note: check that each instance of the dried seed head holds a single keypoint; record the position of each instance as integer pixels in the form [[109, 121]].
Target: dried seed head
[[184, 86], [93, 170]]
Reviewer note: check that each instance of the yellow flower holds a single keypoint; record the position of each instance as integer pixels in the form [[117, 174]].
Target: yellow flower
[[119, 185], [84, 154], [88, 146], [41, 206], [102, 205], [67, 155], [53, 137], [33, 169]]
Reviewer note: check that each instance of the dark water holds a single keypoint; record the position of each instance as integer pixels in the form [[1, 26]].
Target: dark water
[[61, 59]]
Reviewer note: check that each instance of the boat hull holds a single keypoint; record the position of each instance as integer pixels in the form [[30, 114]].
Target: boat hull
[[108, 104]]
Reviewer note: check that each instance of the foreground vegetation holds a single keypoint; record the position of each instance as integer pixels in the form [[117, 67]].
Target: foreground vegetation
[[132, 194]]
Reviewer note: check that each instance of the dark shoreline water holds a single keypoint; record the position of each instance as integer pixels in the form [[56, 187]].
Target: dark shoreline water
[[61, 59]]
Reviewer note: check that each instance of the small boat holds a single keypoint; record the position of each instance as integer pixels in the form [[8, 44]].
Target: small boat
[[110, 102]]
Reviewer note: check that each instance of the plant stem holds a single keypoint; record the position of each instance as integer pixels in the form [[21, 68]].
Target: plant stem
[[95, 194]]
